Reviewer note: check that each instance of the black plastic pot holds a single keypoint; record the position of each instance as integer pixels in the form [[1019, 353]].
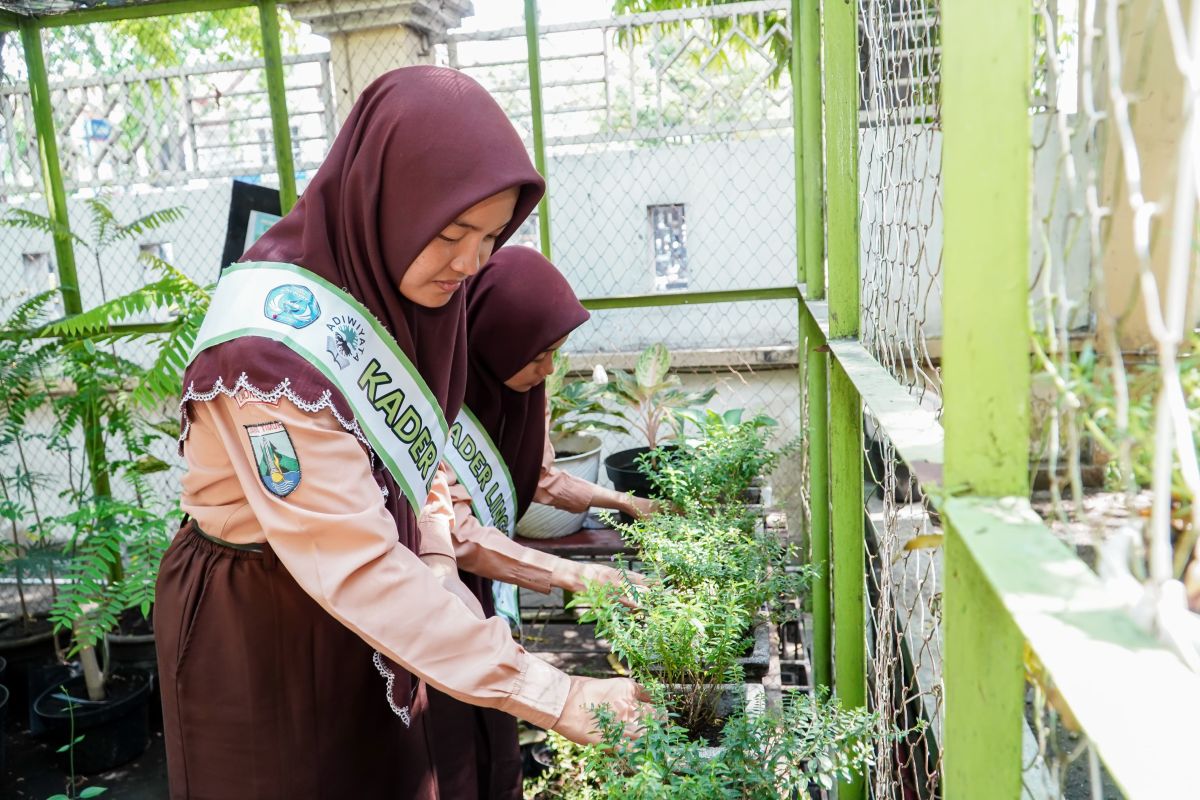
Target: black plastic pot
[[24, 651], [135, 652], [115, 730], [3, 720], [623, 471]]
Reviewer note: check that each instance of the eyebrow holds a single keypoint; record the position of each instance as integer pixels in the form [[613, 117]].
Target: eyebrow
[[471, 227]]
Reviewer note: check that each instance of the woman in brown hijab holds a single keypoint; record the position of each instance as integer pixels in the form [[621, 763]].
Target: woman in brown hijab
[[520, 310], [302, 609]]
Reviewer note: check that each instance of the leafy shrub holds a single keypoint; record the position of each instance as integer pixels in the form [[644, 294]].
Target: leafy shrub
[[766, 754], [719, 468]]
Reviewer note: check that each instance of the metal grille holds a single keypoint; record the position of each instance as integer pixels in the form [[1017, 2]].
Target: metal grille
[[1113, 288], [677, 119], [900, 244]]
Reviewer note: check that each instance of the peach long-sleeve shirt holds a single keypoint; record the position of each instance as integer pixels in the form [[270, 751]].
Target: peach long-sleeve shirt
[[488, 552], [336, 538]]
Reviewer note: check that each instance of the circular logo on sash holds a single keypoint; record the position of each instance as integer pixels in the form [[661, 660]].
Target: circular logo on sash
[[292, 305], [346, 340]]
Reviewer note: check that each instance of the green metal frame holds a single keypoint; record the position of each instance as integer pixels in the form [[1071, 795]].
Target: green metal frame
[[986, 57], [277, 97], [539, 131], [30, 28], [1014, 596], [810, 240], [848, 546]]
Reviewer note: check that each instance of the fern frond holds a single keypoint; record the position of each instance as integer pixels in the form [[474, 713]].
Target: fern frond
[[32, 221], [152, 221]]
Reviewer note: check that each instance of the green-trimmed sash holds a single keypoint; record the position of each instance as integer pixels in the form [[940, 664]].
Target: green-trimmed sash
[[335, 333], [481, 470]]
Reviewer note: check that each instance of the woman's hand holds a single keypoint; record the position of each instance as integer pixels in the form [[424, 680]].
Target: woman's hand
[[638, 507], [627, 701], [578, 575]]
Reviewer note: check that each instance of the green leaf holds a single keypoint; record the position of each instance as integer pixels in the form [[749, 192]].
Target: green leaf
[[92, 791], [652, 365]]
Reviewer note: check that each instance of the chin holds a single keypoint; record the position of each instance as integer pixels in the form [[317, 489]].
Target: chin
[[434, 299]]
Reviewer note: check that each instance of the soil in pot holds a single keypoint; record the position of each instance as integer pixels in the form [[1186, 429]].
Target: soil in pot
[[115, 730]]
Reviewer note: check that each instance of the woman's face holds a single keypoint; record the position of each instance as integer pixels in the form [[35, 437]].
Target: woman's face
[[458, 251], [535, 371]]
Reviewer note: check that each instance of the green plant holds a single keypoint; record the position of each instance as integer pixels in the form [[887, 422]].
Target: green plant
[[686, 551], [719, 467], [765, 754], [114, 542], [651, 398], [22, 360], [689, 640], [69, 749], [575, 406]]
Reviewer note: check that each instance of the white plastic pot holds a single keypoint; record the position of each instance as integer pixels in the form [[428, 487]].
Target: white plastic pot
[[547, 522]]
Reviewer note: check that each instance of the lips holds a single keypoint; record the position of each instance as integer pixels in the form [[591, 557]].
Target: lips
[[447, 286]]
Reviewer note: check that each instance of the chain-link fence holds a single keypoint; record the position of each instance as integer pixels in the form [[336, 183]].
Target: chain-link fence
[[154, 120], [1113, 288], [668, 153], [900, 248]]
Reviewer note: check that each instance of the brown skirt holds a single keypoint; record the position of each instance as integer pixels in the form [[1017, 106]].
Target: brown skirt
[[476, 750], [265, 695]]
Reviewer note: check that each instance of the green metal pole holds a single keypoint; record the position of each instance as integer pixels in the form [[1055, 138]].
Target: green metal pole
[[986, 57], [840, 29], [535, 106], [268, 16], [56, 204], [810, 267], [52, 180]]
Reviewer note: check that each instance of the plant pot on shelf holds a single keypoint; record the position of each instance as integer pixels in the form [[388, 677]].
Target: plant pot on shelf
[[3, 721], [726, 699], [131, 646], [578, 455], [115, 730], [754, 664], [25, 646], [626, 476]]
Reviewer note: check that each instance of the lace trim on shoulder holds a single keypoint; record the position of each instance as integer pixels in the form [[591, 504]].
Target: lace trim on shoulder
[[283, 389]]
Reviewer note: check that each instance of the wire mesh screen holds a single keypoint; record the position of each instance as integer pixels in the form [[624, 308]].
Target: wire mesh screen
[[154, 120], [669, 168], [1114, 304], [900, 231]]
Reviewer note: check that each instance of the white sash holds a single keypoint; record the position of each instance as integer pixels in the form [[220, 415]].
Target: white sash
[[336, 334], [481, 470]]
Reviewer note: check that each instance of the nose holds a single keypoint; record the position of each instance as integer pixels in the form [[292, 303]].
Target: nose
[[465, 265]]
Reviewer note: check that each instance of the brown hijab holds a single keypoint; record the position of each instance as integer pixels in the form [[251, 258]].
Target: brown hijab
[[517, 306], [421, 145]]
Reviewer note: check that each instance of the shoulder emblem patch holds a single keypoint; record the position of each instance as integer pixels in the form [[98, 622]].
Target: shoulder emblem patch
[[292, 304], [278, 465]]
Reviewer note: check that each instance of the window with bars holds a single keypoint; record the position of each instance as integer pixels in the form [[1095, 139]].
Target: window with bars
[[668, 238]]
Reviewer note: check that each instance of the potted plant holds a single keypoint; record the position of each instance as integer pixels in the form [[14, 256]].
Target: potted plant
[[723, 467], [26, 638], [576, 413], [650, 401], [109, 395], [688, 552], [115, 549], [803, 744]]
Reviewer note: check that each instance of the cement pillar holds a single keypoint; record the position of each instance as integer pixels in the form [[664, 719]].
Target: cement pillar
[[370, 37]]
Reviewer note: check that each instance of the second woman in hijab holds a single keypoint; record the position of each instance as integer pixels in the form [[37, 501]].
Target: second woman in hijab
[[520, 310]]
